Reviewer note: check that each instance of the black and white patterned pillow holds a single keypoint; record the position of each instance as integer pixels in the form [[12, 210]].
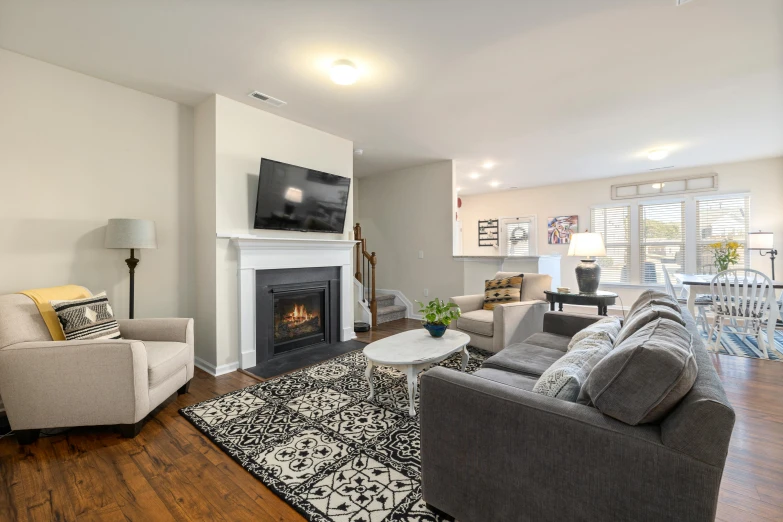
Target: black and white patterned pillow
[[89, 318]]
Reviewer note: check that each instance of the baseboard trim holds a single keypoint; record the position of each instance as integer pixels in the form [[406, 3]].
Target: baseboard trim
[[215, 370]]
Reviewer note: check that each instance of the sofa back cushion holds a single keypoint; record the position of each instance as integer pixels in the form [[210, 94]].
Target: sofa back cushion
[[533, 285], [643, 378], [502, 290], [608, 325], [654, 297], [639, 317], [20, 321], [564, 379]]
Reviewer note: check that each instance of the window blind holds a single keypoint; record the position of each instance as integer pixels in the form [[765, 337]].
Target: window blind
[[661, 240], [517, 238], [721, 219], [614, 224]]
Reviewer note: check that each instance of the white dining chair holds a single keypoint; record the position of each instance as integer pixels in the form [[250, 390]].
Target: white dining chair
[[703, 302], [741, 296]]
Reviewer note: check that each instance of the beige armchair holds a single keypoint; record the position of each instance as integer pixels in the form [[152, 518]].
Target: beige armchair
[[509, 323], [56, 384]]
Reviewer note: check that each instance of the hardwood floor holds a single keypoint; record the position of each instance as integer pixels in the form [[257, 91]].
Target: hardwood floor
[[172, 472], [388, 329]]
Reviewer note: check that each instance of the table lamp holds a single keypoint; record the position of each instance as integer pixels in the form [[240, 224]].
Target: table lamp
[[132, 234], [762, 241], [588, 246]]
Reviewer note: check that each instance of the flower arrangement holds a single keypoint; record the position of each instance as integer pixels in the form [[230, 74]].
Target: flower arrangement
[[725, 254]]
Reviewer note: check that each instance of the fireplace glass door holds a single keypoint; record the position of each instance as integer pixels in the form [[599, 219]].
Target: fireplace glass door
[[299, 319]]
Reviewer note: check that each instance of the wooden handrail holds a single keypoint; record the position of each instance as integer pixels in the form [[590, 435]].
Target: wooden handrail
[[372, 259]]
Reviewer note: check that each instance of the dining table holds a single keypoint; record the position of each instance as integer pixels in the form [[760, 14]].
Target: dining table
[[700, 284]]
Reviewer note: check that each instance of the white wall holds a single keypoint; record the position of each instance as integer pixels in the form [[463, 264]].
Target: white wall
[[76, 151], [762, 178], [404, 212], [244, 135]]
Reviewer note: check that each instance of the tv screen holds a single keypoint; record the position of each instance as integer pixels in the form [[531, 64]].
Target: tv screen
[[296, 198]]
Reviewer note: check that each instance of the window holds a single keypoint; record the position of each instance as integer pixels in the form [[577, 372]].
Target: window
[[661, 240], [719, 219], [614, 224], [518, 236]]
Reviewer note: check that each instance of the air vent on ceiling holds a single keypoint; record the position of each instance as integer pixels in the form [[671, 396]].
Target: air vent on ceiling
[[267, 99], [682, 2], [663, 168]]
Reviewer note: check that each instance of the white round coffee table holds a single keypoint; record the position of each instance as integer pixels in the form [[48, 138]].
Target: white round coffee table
[[412, 352]]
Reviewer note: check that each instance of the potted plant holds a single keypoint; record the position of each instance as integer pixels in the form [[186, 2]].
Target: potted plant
[[438, 315], [725, 254]]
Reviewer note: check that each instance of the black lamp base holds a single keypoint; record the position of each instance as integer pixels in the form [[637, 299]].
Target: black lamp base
[[588, 275], [131, 262]]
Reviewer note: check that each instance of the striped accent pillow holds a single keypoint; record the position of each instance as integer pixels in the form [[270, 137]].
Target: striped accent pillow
[[89, 318], [500, 291]]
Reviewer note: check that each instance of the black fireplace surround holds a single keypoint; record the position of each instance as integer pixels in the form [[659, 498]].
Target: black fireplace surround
[[297, 309]]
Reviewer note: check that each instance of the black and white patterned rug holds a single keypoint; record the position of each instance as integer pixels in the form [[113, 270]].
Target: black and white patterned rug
[[313, 438]]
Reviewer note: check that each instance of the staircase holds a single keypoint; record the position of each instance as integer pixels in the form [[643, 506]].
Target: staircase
[[387, 310], [382, 307]]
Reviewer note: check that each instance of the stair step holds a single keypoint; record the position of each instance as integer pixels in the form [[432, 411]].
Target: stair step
[[391, 313], [385, 300]]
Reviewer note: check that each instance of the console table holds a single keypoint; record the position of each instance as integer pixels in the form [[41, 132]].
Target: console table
[[600, 299]]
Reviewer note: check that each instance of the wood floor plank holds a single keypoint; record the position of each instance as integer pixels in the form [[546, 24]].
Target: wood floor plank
[[170, 471]]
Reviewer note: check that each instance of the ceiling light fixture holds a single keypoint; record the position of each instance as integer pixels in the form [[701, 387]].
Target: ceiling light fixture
[[459, 188], [494, 183], [488, 164], [475, 175], [344, 72], [657, 154]]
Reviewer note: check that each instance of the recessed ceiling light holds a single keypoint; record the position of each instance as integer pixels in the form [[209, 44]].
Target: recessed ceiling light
[[475, 175], [344, 72], [494, 183], [459, 188], [488, 164], [657, 154]]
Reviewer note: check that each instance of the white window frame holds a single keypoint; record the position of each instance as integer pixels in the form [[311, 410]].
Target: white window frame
[[630, 236], [690, 231], [533, 239]]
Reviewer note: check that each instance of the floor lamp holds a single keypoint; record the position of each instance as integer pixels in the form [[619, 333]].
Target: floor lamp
[[763, 241], [131, 234]]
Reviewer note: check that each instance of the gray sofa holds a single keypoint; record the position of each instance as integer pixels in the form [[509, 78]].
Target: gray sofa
[[492, 450]]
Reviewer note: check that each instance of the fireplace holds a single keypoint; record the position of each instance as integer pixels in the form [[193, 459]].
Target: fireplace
[[297, 309]]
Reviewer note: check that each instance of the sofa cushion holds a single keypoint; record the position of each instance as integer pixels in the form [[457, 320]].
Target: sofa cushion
[[478, 321], [565, 377], [643, 316], [523, 382], [608, 325], [643, 378], [549, 340], [502, 290], [164, 358], [523, 358], [653, 297]]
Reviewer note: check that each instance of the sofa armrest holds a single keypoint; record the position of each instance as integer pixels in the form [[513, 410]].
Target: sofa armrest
[[515, 452], [176, 329], [568, 324], [52, 384], [515, 322], [469, 303]]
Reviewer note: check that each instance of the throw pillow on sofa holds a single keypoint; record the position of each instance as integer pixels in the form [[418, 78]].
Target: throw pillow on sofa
[[642, 379], [609, 325], [565, 377], [501, 291], [88, 318], [645, 315]]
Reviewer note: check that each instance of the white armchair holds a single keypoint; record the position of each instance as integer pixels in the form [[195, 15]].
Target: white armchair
[[508, 323], [55, 384]]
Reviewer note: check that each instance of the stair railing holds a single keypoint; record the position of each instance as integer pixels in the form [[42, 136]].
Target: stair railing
[[365, 272]]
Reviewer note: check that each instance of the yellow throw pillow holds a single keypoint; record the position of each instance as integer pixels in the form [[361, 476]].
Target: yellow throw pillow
[[500, 291]]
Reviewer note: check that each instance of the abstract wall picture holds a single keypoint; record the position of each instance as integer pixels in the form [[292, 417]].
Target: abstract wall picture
[[560, 228]]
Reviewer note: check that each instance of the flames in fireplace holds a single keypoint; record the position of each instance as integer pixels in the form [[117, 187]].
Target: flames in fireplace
[[300, 315], [296, 320]]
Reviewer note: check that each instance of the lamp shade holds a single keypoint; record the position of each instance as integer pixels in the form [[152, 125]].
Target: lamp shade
[[131, 233], [760, 241], [587, 244]]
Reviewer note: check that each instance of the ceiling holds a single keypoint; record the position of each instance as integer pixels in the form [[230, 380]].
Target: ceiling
[[551, 91]]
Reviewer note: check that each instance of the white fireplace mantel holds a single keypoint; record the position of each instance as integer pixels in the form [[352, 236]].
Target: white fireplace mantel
[[265, 253]]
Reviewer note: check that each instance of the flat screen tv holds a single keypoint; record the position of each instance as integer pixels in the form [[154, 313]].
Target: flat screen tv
[[296, 198]]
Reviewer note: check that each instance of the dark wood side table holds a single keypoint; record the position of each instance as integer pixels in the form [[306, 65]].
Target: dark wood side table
[[600, 299]]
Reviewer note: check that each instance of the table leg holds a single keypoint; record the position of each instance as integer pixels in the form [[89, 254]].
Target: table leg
[[411, 374], [465, 358], [368, 375], [551, 305], [560, 306], [692, 300]]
